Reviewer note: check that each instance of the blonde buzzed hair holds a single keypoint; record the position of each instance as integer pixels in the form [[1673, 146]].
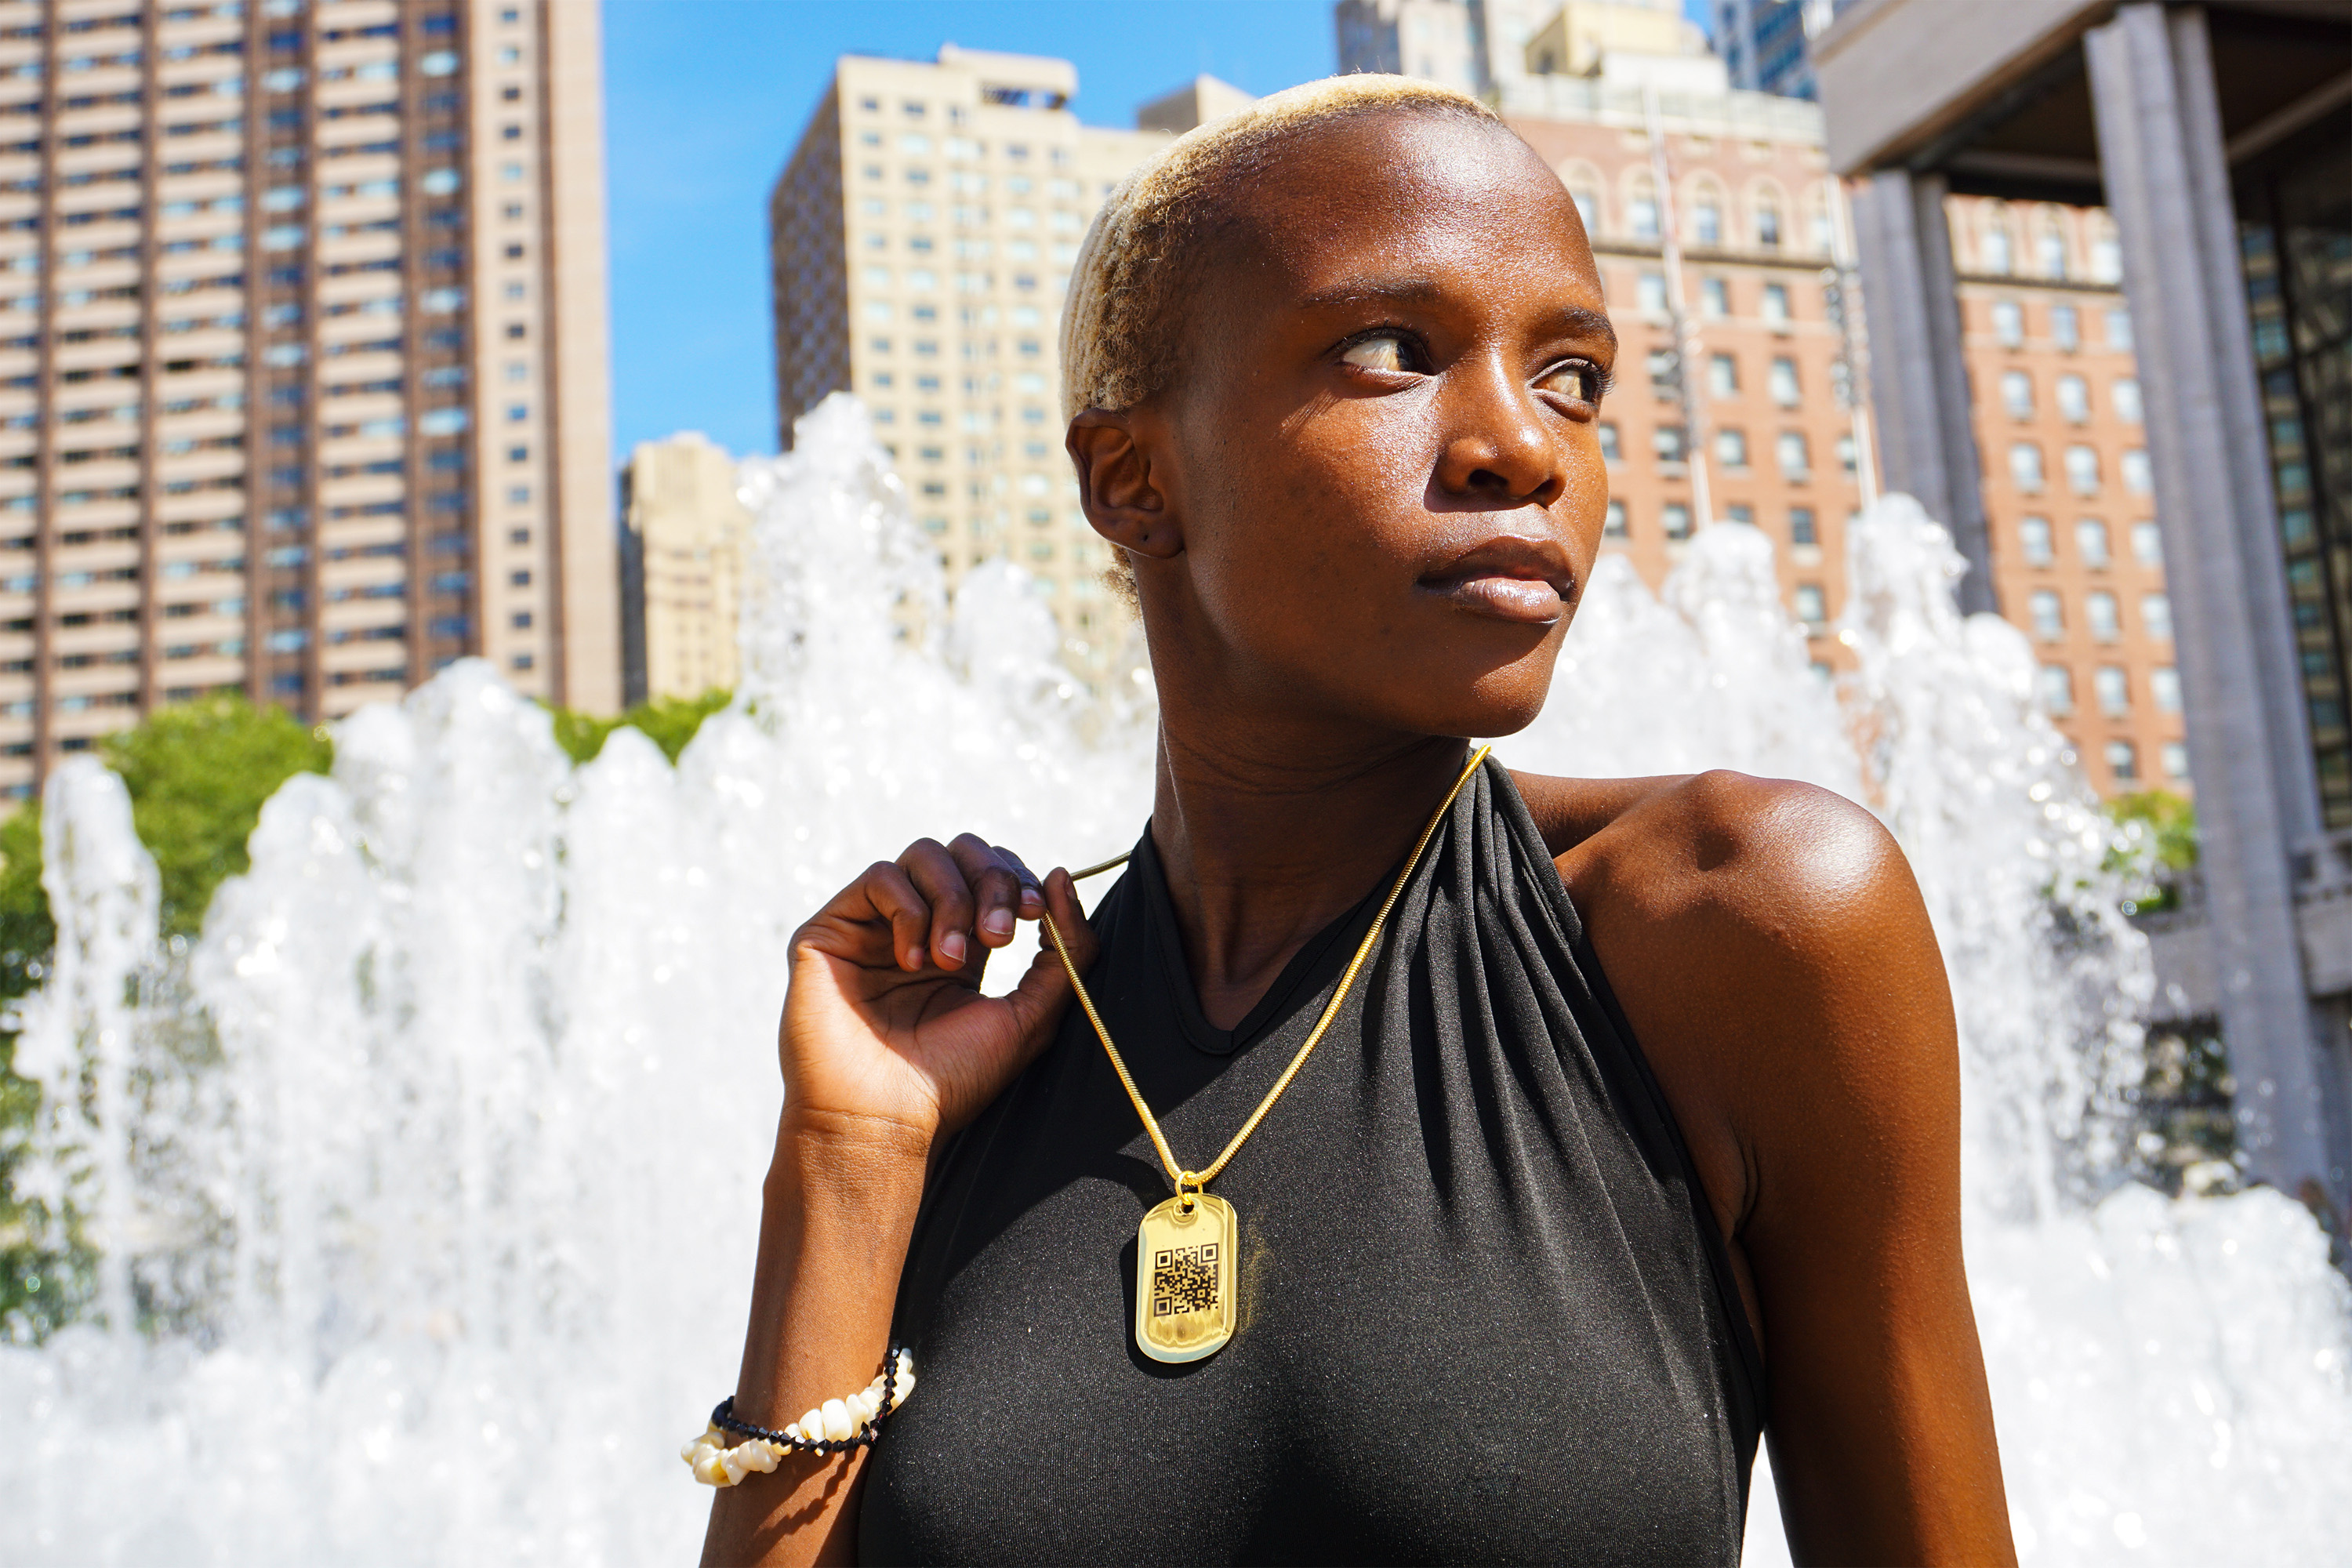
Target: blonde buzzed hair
[[1119, 330]]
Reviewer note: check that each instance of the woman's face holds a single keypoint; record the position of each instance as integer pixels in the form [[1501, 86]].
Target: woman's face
[[1379, 465]]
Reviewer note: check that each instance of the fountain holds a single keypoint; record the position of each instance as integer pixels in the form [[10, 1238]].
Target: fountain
[[424, 1186]]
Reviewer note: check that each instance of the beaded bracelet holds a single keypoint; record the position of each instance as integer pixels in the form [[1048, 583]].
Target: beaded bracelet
[[833, 1428]]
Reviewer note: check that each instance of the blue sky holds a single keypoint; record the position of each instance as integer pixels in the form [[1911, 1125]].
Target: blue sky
[[704, 99]]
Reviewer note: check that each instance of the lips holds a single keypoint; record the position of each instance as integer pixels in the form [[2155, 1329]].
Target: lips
[[1508, 578]]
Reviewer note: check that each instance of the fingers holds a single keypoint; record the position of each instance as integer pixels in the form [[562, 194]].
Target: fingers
[[1044, 990], [944, 905]]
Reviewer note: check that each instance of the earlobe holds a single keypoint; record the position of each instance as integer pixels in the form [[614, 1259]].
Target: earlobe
[[1120, 482]]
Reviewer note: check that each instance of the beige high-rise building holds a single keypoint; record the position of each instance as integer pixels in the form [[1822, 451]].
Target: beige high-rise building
[[922, 236], [685, 546], [295, 397]]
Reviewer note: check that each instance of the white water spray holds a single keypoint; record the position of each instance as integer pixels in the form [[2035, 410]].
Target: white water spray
[[427, 1185]]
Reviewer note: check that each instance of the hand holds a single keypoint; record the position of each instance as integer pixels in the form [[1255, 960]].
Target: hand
[[885, 1020]]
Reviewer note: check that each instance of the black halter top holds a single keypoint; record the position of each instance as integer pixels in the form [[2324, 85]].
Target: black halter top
[[1485, 1314]]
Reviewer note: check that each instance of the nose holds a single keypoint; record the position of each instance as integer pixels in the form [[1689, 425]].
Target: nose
[[1499, 450]]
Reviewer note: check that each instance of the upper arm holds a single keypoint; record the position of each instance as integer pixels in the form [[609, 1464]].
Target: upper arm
[[1788, 988]]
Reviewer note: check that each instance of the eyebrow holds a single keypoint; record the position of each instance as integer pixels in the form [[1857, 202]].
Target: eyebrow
[[1568, 320]]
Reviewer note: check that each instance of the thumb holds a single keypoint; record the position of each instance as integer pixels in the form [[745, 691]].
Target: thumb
[[1045, 991]]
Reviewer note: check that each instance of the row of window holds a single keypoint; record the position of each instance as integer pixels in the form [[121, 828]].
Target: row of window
[[2008, 317], [1652, 298], [915, 109], [2073, 397], [2083, 476], [2111, 688], [2102, 615], [1709, 217], [1792, 451], [2038, 545]]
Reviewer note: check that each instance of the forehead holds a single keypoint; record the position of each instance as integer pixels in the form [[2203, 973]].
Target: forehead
[[1401, 187]]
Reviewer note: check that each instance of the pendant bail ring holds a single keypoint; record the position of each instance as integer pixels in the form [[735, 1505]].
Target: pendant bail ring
[[1189, 1185]]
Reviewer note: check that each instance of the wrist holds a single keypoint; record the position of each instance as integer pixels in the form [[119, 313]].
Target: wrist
[[825, 1148]]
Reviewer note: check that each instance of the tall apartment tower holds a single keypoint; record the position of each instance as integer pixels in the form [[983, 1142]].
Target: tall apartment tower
[[922, 234], [1764, 42], [685, 544], [296, 398]]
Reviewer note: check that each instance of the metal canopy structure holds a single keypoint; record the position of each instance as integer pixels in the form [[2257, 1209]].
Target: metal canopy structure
[[2212, 134]]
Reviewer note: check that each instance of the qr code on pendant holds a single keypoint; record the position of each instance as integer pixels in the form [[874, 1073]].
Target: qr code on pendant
[[1184, 1280]]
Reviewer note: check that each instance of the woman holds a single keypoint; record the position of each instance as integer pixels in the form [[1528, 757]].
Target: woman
[[1634, 1135]]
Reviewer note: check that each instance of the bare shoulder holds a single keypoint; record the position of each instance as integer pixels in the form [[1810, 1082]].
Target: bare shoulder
[[1770, 949], [1792, 856]]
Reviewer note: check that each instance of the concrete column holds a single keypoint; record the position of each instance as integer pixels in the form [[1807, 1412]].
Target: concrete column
[[1919, 381], [2250, 750]]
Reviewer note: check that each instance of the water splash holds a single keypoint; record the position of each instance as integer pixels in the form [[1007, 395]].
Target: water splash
[[426, 1183]]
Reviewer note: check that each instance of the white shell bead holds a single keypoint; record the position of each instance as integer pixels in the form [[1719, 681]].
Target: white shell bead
[[837, 1424], [812, 1425]]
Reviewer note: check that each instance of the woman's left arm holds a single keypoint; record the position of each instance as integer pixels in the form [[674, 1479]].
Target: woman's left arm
[[1787, 984]]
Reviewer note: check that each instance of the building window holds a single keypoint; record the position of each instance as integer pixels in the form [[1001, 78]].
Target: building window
[[2025, 467], [1722, 376], [2056, 686], [2090, 541], [1768, 226], [522, 620], [1650, 294], [1731, 448], [1999, 259], [1666, 441], [1613, 525], [1801, 528], [1706, 221], [1677, 520], [1776, 304], [2126, 400], [2065, 326], [2049, 616], [2156, 615], [1642, 215], [2123, 761], [2114, 688], [2164, 689], [1588, 208], [1813, 608], [1795, 456], [2120, 329], [1781, 382], [2050, 253], [1714, 298], [2017, 394], [2009, 324], [2074, 400], [520, 661], [2083, 470], [2176, 760], [2148, 544], [2137, 477], [2099, 612], [1741, 513], [1610, 451]]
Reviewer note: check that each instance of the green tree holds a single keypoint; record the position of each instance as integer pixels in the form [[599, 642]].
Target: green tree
[[197, 774], [2170, 822], [669, 721]]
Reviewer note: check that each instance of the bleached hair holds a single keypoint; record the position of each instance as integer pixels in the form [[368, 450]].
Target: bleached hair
[[1128, 291]]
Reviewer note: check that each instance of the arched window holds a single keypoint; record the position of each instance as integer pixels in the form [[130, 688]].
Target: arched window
[[1584, 185], [1640, 206], [1767, 209], [2049, 245], [1994, 250], [1705, 213]]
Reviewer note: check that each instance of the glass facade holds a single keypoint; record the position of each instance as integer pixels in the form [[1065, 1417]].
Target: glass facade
[[2295, 231]]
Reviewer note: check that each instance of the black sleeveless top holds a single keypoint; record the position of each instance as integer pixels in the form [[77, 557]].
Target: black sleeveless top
[[1485, 1314]]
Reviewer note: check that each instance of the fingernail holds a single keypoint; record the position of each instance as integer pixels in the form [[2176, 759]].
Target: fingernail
[[952, 945], [997, 922]]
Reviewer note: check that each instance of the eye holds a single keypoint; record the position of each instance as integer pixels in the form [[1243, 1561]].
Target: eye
[[1387, 352], [1579, 379]]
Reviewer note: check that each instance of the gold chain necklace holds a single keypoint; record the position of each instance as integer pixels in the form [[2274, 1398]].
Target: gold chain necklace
[[1184, 1263]]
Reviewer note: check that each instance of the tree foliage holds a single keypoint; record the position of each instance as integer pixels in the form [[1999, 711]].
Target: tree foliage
[[197, 775], [669, 721]]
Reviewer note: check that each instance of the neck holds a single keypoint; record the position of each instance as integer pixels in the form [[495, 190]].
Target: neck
[[1265, 844]]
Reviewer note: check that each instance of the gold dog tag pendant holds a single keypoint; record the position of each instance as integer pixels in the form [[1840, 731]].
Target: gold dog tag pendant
[[1184, 1280]]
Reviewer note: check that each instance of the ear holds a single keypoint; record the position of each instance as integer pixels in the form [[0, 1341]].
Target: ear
[[1121, 481]]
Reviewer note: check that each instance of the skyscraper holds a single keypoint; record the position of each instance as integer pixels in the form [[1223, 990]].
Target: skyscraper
[[296, 396], [1764, 42], [923, 234], [685, 548]]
